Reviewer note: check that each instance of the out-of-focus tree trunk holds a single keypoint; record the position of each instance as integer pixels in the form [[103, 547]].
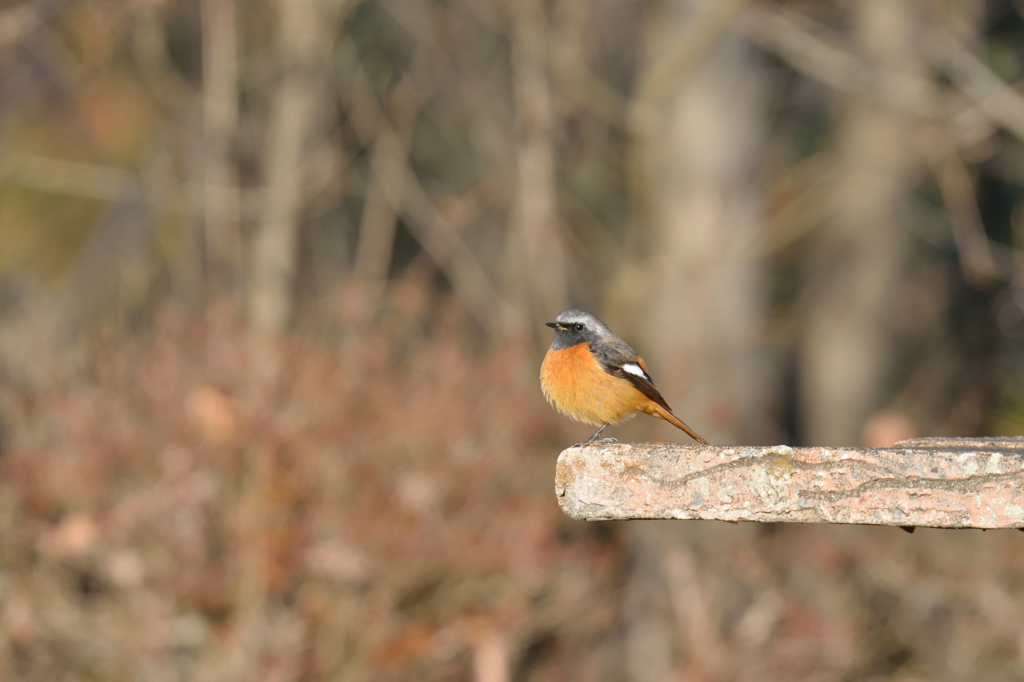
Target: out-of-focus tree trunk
[[536, 262], [696, 303], [845, 345], [390, 140], [697, 297], [220, 124], [380, 219], [275, 243]]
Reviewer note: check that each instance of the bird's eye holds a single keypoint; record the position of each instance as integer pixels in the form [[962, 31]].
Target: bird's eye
[[579, 326]]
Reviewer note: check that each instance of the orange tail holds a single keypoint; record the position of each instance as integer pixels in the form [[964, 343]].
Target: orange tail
[[662, 413]]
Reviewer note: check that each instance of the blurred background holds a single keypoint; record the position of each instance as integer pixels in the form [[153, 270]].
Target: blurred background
[[273, 278]]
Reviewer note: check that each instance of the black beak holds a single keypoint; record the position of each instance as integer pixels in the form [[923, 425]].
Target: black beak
[[553, 325]]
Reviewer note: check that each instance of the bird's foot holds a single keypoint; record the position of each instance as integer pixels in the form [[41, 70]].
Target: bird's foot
[[583, 443]]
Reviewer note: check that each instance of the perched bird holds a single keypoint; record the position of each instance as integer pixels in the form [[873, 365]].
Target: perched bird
[[594, 377]]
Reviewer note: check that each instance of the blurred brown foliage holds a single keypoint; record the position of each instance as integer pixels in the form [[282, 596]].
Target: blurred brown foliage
[[272, 279], [378, 506], [375, 508]]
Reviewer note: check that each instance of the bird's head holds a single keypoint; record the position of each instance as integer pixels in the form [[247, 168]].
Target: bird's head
[[575, 326]]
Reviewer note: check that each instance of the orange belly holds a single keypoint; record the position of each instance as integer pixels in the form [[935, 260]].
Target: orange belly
[[576, 384]]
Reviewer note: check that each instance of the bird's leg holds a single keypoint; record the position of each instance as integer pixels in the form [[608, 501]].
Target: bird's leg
[[596, 434], [606, 440]]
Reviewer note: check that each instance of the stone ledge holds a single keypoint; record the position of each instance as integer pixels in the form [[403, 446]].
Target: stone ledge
[[936, 482]]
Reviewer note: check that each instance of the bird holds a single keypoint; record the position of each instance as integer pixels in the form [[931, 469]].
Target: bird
[[593, 376]]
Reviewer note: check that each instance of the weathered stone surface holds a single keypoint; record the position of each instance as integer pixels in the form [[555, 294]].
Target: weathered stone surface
[[938, 482]]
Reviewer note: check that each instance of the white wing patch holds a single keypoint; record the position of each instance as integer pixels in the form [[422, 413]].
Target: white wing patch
[[634, 368]]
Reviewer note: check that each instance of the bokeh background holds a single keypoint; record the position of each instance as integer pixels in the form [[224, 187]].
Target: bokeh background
[[273, 275]]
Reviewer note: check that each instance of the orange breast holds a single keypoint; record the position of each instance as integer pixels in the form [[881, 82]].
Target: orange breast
[[576, 384]]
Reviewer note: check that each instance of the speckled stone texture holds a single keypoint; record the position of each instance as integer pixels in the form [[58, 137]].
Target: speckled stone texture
[[937, 482]]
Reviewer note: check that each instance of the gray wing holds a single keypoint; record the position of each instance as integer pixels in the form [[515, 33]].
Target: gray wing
[[614, 354]]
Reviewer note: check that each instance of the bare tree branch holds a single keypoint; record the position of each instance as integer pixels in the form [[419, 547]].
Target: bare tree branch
[[958, 192], [794, 39], [708, 22], [470, 281], [388, 158], [989, 92]]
